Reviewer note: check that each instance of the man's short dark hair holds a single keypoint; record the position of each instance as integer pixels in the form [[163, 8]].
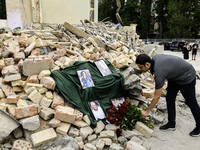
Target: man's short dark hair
[[142, 59]]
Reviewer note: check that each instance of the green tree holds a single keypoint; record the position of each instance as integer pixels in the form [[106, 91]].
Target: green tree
[[162, 14], [180, 19], [107, 9], [145, 17], [2, 9]]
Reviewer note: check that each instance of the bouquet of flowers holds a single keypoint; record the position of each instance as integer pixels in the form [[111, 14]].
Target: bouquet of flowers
[[126, 115]]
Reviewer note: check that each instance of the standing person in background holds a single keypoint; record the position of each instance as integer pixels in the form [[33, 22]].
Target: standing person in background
[[186, 51], [194, 50]]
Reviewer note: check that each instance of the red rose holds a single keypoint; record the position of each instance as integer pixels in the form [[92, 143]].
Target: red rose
[[119, 131], [109, 111], [113, 108], [129, 104], [117, 122], [110, 119], [117, 116]]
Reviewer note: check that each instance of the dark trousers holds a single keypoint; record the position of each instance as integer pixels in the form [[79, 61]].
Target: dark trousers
[[188, 92]]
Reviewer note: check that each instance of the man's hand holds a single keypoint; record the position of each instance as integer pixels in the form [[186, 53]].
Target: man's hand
[[145, 114], [154, 101]]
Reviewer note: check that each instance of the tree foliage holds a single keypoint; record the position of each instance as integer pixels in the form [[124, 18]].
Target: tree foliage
[[175, 18], [2, 9]]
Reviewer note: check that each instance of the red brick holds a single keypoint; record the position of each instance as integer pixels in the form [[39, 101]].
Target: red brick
[[65, 114], [26, 111], [12, 99], [48, 82], [57, 100]]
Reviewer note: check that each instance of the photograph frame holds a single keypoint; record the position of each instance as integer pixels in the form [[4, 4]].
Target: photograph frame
[[118, 101], [103, 67], [98, 114], [88, 81]]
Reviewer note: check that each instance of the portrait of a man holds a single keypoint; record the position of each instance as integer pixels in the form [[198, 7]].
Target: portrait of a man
[[96, 110]]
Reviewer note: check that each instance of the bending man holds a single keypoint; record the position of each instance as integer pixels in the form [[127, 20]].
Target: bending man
[[180, 76]]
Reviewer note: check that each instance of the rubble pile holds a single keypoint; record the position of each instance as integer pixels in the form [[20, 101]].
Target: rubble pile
[[34, 116]]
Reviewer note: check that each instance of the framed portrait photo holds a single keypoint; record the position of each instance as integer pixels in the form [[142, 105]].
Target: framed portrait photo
[[117, 101], [96, 109], [103, 68], [85, 78]]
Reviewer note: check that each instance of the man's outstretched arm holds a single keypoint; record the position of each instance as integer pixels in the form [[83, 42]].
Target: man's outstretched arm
[[154, 101]]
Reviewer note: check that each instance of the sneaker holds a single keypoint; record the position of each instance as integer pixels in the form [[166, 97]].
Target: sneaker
[[167, 127], [195, 132]]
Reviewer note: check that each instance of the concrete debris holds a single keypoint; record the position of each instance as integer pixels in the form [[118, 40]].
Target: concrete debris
[[35, 116]]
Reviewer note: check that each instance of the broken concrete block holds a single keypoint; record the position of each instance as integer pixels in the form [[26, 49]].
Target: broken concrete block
[[42, 90], [85, 131], [2, 64], [57, 100], [81, 145], [13, 77], [33, 79], [48, 82], [7, 90], [100, 144], [100, 126], [73, 132], [9, 61], [45, 102], [7, 125], [30, 123], [9, 70], [18, 89], [86, 119], [29, 48], [18, 133], [12, 99], [146, 131], [107, 134], [6, 51], [2, 95], [11, 109], [46, 115], [65, 114], [54, 123], [35, 97], [21, 103], [80, 123], [3, 106], [44, 73], [89, 146], [49, 95], [19, 55], [34, 67], [43, 136], [115, 146], [22, 145], [14, 45], [107, 141], [29, 89], [63, 128], [148, 93], [92, 137], [17, 83], [26, 111]]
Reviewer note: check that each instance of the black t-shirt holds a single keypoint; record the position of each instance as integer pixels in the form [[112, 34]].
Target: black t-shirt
[[172, 68]]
